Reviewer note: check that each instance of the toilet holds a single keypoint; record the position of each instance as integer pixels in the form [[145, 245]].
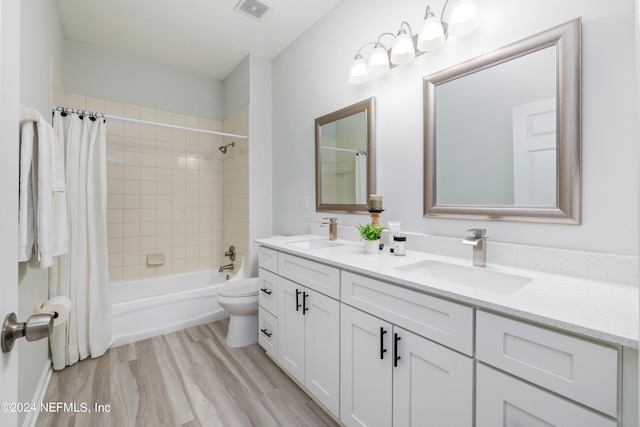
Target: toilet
[[240, 299]]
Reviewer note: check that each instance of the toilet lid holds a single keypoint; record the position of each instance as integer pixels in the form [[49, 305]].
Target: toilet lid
[[240, 288]]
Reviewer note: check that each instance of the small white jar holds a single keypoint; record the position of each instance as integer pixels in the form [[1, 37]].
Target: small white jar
[[398, 245]]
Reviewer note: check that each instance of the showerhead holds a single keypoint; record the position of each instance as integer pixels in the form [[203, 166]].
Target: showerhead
[[224, 147]]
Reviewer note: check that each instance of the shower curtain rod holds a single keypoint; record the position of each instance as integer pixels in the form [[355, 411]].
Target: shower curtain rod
[[346, 149], [146, 122]]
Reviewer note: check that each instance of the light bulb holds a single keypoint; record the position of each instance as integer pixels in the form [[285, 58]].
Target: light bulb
[[358, 73], [431, 35], [463, 18], [403, 50], [379, 61]]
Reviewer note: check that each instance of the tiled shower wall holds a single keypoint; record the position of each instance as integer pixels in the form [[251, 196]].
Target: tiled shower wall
[[236, 186], [164, 191]]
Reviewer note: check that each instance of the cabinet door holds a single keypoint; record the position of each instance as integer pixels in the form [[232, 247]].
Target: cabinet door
[[366, 369], [432, 385], [505, 401], [291, 328], [322, 348]]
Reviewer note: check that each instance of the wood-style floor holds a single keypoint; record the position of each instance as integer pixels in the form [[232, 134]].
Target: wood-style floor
[[187, 378]]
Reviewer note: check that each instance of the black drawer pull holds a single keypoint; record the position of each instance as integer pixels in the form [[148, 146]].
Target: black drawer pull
[[266, 291], [304, 302], [264, 331], [395, 350], [382, 349], [298, 305]]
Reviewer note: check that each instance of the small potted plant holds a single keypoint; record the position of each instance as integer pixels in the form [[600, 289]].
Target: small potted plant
[[371, 235]]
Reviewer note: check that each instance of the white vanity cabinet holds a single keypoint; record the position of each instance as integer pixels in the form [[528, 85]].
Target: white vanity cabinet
[[391, 376], [308, 328], [563, 374], [268, 301]]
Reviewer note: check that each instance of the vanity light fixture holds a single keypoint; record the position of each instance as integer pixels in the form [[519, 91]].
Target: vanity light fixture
[[461, 19]]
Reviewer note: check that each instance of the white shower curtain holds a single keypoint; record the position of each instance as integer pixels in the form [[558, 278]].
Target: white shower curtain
[[82, 274], [361, 178]]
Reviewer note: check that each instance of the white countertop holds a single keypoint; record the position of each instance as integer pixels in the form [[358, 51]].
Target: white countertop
[[603, 311]]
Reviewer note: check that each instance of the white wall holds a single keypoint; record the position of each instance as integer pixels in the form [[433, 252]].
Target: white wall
[[310, 80], [41, 41], [99, 73]]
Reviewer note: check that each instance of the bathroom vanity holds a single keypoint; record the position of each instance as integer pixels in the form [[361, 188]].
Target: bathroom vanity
[[386, 341]]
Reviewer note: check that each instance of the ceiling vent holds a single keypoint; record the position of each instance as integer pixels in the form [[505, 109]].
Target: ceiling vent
[[254, 8]]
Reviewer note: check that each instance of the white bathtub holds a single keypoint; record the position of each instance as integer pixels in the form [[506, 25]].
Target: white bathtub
[[145, 308]]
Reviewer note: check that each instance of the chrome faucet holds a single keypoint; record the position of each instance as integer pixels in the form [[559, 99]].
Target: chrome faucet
[[333, 228], [228, 267], [479, 243]]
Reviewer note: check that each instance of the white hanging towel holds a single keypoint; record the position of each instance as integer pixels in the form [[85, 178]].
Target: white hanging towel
[[26, 224], [51, 223]]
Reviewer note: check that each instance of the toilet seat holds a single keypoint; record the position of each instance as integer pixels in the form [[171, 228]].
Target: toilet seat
[[242, 288]]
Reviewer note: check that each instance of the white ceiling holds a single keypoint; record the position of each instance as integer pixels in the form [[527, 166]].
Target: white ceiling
[[204, 36]]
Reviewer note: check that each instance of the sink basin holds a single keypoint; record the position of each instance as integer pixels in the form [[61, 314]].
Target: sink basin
[[315, 244], [475, 277]]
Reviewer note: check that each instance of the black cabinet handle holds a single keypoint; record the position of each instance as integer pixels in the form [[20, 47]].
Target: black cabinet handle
[[264, 331], [298, 292], [382, 349], [266, 291], [395, 350], [304, 302]]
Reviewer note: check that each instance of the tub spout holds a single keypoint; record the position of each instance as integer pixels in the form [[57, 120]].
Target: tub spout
[[228, 267]]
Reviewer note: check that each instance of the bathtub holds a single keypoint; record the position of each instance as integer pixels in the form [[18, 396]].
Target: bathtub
[[145, 308]]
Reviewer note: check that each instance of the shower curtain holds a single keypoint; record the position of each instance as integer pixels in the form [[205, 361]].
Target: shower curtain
[[361, 178], [82, 274]]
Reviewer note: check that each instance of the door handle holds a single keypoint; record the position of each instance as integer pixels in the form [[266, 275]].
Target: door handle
[[382, 349], [395, 350], [304, 302], [36, 327], [298, 292]]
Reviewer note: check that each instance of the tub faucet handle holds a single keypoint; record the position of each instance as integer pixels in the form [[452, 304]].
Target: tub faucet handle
[[231, 253]]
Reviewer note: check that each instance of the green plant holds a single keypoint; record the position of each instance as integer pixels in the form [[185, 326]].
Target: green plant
[[369, 232]]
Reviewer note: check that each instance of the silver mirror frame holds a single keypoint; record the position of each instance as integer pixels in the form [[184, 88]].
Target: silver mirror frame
[[567, 38], [367, 106]]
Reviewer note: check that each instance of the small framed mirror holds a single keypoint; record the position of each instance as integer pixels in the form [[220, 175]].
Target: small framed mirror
[[345, 158], [502, 133]]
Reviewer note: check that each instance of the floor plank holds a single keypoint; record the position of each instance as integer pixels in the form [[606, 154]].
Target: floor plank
[[187, 378]]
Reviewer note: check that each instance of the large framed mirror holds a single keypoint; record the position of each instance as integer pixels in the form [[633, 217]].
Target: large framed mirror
[[345, 158], [502, 133]]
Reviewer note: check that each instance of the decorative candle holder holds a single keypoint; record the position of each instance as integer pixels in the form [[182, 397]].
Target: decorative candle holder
[[375, 217]]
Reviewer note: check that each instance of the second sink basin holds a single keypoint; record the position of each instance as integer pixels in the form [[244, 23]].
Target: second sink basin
[[475, 277], [315, 244]]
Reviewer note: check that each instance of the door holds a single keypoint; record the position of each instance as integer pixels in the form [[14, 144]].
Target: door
[[366, 369], [291, 328], [535, 153], [9, 101], [432, 385], [322, 348]]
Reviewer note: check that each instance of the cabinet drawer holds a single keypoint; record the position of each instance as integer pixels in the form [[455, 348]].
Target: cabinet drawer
[[268, 259], [268, 332], [442, 321], [505, 401], [580, 370], [318, 277], [268, 294]]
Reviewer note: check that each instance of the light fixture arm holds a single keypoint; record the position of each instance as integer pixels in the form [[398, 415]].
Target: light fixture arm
[[378, 43], [362, 47], [401, 30]]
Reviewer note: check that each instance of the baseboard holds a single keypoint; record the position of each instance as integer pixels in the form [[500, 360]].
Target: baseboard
[[38, 396]]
